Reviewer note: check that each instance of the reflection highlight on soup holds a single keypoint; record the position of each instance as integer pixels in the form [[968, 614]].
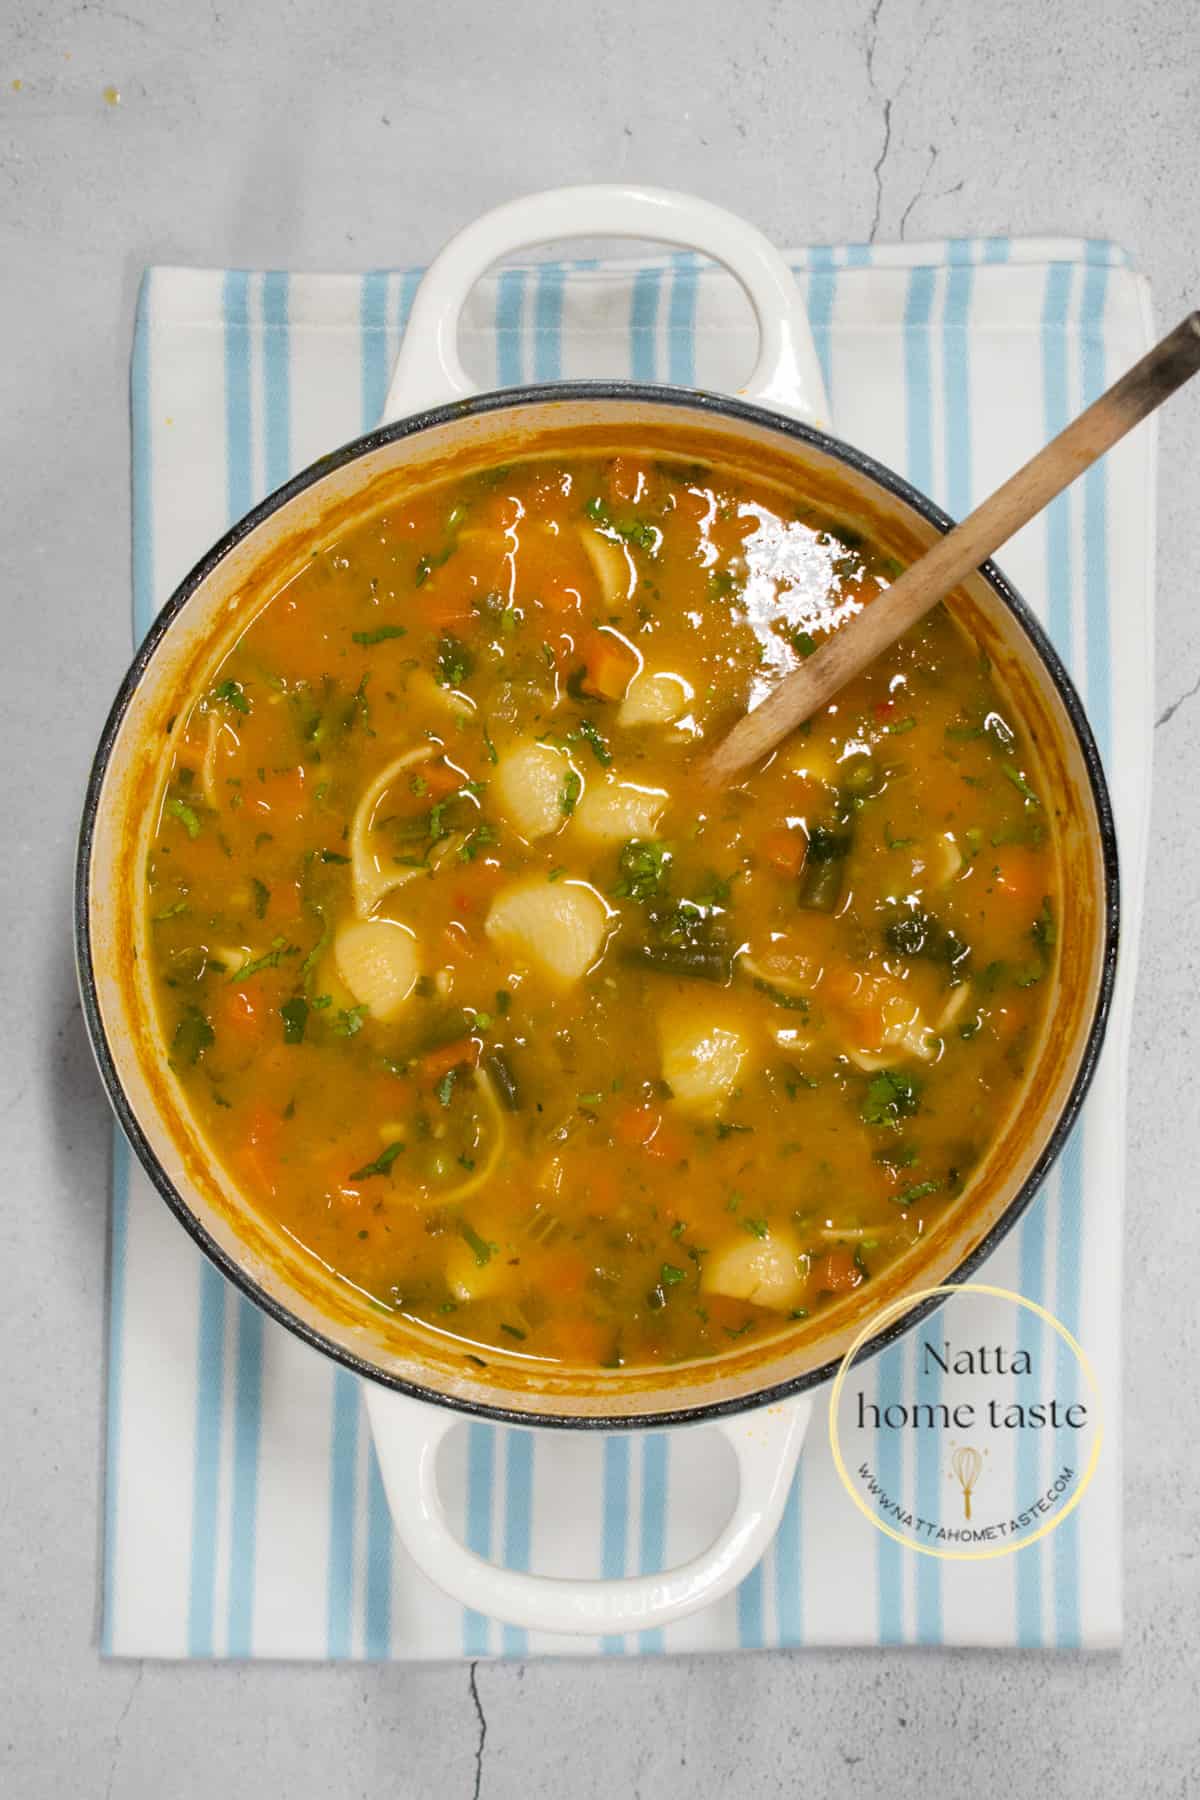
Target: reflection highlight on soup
[[479, 996]]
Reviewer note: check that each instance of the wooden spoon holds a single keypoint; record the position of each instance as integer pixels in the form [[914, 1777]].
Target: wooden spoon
[[849, 649]]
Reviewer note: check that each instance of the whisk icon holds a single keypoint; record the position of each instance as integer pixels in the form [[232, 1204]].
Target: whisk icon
[[967, 1465]]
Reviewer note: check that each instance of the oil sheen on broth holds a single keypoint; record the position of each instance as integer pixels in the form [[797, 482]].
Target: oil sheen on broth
[[482, 999]]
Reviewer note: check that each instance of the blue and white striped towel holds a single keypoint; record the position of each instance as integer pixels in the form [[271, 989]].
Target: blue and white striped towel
[[244, 1511]]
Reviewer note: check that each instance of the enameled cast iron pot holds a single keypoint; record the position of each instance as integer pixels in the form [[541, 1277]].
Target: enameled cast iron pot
[[418, 1383]]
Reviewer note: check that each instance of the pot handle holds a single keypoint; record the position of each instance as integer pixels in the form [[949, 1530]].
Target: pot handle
[[407, 1436], [786, 376]]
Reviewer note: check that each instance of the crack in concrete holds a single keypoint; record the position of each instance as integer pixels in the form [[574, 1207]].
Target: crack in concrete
[[119, 1726], [479, 1714], [1168, 712], [872, 42], [920, 193]]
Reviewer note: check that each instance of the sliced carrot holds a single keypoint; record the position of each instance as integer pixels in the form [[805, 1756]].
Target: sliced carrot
[[501, 511], [635, 1126], [279, 795], [440, 779], [1020, 874], [447, 605], [556, 594], [694, 503], [285, 900], [564, 1272], [835, 1273], [436, 1063], [785, 851], [258, 1156], [625, 479], [610, 664], [581, 1343], [668, 1144], [240, 1017]]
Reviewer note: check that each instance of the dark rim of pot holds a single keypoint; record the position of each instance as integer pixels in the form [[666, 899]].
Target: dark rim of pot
[[568, 394]]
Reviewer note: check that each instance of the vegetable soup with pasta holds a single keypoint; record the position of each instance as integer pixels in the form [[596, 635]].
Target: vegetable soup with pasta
[[478, 994]]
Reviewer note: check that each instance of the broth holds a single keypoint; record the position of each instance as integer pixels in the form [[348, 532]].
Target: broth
[[483, 1000]]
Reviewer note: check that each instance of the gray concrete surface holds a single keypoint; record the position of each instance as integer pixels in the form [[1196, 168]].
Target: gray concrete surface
[[306, 134]]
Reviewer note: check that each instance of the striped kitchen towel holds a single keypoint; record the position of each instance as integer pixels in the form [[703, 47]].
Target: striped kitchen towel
[[244, 1513]]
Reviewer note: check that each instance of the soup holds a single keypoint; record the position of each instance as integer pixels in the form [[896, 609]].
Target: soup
[[484, 1000]]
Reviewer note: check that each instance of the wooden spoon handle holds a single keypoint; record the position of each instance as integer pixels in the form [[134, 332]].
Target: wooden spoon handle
[[849, 650]]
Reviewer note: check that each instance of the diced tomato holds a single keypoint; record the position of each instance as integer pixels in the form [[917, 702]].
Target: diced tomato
[[884, 709], [610, 664], [835, 1273], [785, 851]]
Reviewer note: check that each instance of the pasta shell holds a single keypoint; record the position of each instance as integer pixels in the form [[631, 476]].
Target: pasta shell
[[528, 788], [377, 960], [701, 1060], [768, 1271], [557, 928], [654, 699], [612, 566], [614, 812]]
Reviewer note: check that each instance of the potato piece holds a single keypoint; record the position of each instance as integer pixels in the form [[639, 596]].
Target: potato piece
[[768, 1271], [654, 698], [701, 1059], [612, 812], [555, 927], [377, 959], [528, 786], [612, 566]]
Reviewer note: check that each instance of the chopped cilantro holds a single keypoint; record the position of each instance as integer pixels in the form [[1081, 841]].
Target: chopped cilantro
[[643, 866], [233, 695], [595, 741], [919, 1190], [756, 1227], [669, 1275], [262, 897], [188, 818], [454, 661], [1019, 782], [349, 1021], [484, 1251], [890, 1097], [380, 634], [381, 1164], [571, 789], [477, 840], [193, 1036], [294, 1013]]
